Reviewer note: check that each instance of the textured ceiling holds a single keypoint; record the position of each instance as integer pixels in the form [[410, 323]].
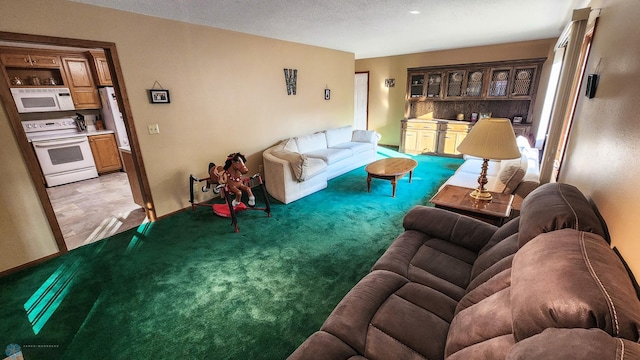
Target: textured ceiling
[[370, 28]]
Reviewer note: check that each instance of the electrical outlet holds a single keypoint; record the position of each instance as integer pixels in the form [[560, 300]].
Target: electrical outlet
[[154, 129]]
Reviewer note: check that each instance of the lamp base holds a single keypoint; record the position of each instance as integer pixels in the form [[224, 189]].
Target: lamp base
[[481, 194]]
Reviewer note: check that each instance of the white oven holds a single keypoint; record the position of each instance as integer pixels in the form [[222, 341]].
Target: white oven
[[63, 153], [42, 99]]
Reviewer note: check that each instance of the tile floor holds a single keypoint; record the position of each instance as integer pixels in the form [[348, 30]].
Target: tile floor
[[94, 209]]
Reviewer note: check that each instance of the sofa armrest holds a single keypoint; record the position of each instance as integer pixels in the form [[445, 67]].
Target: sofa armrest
[[458, 229]]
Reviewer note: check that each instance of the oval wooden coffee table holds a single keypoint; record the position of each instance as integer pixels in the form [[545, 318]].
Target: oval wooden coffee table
[[390, 169]]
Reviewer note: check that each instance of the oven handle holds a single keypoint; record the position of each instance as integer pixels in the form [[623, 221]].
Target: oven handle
[[56, 143]]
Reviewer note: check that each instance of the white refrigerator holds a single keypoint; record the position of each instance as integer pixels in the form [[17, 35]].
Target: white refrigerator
[[113, 117]]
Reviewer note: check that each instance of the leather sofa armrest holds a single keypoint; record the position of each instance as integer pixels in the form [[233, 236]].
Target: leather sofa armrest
[[458, 229]]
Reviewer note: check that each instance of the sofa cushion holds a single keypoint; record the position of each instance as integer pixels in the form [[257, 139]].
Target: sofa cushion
[[355, 147], [384, 316], [330, 156], [572, 279], [555, 206], [511, 173], [338, 135], [488, 319], [553, 344], [313, 142]]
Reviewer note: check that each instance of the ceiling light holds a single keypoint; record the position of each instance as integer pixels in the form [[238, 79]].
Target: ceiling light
[[414, 12]]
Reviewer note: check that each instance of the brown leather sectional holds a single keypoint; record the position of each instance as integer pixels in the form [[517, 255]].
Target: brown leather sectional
[[546, 285]]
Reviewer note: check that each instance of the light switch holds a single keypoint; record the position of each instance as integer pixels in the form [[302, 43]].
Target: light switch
[[154, 129]]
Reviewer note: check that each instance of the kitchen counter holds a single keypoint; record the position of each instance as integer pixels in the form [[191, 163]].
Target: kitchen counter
[[441, 121], [97, 132]]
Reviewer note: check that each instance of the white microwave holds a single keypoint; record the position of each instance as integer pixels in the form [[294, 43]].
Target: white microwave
[[42, 99]]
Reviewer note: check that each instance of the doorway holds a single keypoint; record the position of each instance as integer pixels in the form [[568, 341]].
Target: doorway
[[59, 203], [361, 101]]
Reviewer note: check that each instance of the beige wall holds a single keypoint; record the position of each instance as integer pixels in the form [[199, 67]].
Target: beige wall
[[227, 94], [387, 105], [602, 154]]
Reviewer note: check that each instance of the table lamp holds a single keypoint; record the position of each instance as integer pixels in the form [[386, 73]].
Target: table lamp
[[489, 138]]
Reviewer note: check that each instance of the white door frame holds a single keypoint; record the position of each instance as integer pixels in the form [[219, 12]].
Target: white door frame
[[361, 101]]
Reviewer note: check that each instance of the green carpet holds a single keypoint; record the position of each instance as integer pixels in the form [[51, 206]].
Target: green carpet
[[189, 287]]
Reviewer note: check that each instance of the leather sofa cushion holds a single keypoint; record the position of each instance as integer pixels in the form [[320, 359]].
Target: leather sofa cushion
[[555, 206], [572, 279], [339, 135], [494, 348], [574, 344], [488, 319], [329, 346], [384, 316], [438, 253]]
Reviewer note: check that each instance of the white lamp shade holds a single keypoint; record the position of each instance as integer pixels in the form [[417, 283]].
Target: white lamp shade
[[491, 138]]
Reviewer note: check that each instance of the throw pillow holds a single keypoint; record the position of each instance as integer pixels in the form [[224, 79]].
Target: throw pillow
[[512, 172], [297, 161], [338, 135], [365, 136]]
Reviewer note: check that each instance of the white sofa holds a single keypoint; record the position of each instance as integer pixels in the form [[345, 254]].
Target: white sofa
[[518, 176], [302, 165]]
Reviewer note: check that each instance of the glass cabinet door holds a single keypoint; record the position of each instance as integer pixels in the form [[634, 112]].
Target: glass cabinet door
[[499, 82], [434, 84], [455, 83], [475, 83], [416, 86]]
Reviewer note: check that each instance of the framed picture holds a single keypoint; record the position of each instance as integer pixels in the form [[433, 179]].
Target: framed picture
[[159, 96], [474, 117], [390, 82], [484, 115], [517, 119]]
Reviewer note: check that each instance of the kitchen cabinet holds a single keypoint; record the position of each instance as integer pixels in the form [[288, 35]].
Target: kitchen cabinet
[[419, 137], [504, 88], [416, 85], [100, 68], [13, 59], [80, 82], [439, 137], [105, 153], [27, 70], [451, 136]]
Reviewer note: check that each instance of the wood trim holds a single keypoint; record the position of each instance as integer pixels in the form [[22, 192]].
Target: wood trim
[[368, 93], [28, 265]]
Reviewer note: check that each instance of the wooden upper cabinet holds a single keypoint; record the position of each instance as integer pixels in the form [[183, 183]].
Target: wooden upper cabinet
[[100, 68], [434, 85], [523, 80], [456, 81], [80, 82], [416, 85], [30, 60]]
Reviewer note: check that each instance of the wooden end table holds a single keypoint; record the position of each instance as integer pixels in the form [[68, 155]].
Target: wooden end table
[[390, 169], [457, 199]]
